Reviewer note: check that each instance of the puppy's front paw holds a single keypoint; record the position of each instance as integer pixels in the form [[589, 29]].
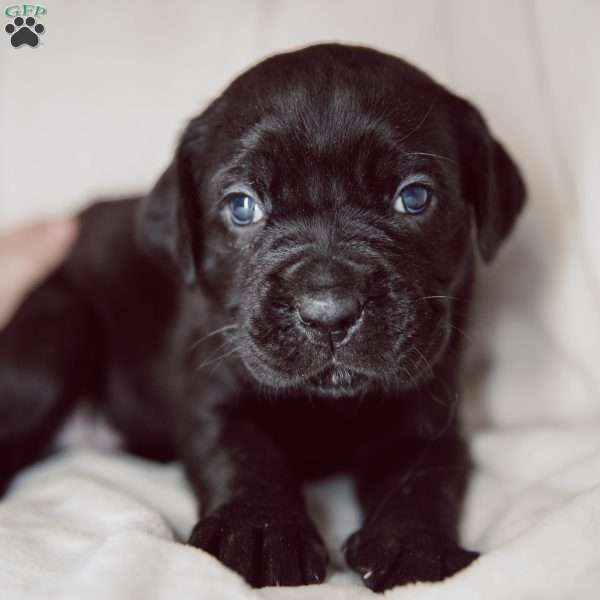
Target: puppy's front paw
[[266, 546], [385, 559]]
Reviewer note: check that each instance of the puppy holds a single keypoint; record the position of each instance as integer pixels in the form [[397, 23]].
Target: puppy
[[286, 303]]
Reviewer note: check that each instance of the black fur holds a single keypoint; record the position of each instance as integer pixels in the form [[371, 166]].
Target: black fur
[[186, 329]]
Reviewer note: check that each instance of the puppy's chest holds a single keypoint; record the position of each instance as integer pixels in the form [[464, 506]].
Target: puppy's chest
[[322, 440]]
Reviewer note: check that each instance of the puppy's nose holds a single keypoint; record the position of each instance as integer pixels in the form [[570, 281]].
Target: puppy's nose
[[331, 310]]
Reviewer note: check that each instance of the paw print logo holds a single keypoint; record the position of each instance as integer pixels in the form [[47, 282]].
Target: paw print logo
[[24, 32]]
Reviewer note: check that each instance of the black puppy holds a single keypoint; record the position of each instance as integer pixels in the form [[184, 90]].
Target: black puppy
[[286, 303]]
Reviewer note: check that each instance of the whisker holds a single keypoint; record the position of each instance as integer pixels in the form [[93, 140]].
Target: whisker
[[424, 359], [446, 158], [462, 332], [214, 354], [413, 380], [217, 359], [421, 122], [222, 358], [212, 333], [216, 351], [452, 409], [441, 297]]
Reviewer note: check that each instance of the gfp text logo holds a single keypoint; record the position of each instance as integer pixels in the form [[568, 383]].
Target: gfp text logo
[[24, 30]]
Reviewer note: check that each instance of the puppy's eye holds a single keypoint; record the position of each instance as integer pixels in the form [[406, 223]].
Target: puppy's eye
[[244, 210], [413, 199]]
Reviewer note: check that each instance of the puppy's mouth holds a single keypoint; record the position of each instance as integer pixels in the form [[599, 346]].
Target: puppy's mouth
[[337, 380], [332, 379]]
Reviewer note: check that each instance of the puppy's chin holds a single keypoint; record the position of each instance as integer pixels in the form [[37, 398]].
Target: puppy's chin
[[332, 381], [336, 381]]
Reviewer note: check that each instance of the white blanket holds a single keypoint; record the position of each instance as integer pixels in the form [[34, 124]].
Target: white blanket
[[89, 524], [93, 525]]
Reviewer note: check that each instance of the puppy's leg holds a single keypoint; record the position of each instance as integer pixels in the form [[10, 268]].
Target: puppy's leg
[[411, 492], [254, 517], [46, 359]]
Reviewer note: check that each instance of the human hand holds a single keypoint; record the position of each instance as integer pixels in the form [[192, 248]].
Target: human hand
[[27, 255]]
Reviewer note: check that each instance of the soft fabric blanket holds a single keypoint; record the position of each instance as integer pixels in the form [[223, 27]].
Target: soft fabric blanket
[[98, 524], [94, 525]]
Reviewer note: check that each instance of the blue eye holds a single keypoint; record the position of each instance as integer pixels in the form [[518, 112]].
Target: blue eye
[[413, 199], [244, 210]]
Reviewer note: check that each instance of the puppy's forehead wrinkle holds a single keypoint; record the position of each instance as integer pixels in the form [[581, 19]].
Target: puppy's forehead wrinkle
[[300, 148], [332, 123]]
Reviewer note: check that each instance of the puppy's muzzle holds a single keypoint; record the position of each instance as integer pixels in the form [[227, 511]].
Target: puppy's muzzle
[[327, 296]]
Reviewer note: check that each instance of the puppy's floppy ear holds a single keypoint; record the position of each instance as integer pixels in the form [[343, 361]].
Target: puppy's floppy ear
[[491, 182], [165, 227]]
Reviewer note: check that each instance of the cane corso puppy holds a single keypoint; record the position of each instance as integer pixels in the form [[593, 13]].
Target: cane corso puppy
[[286, 303]]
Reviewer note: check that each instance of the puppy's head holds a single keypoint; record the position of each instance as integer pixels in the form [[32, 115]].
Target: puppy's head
[[325, 203]]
